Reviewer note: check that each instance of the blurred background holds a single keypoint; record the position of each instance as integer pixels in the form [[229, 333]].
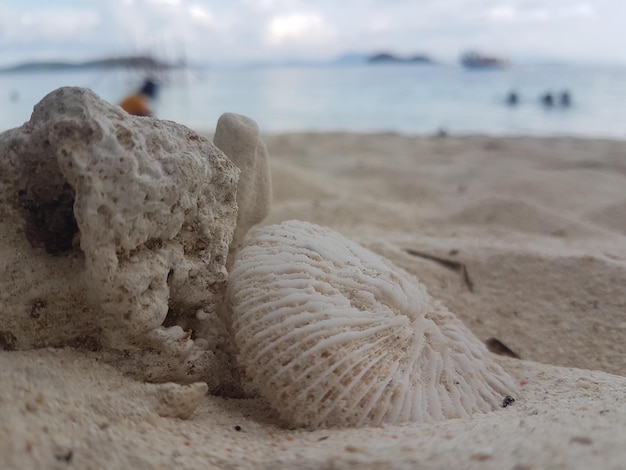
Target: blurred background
[[533, 67]]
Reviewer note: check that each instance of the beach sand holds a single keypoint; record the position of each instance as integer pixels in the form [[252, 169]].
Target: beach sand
[[523, 238]]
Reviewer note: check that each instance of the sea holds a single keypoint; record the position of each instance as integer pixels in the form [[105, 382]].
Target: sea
[[401, 98]]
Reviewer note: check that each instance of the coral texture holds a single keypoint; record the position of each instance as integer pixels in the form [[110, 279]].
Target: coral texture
[[238, 137], [114, 234], [172, 400], [335, 335]]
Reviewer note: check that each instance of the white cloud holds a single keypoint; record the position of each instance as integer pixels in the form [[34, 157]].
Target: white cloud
[[272, 5], [201, 15], [582, 10], [171, 3], [502, 13], [232, 30], [49, 25], [306, 29], [380, 25], [510, 13]]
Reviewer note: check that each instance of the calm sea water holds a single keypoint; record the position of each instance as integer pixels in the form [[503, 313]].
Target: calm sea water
[[407, 99]]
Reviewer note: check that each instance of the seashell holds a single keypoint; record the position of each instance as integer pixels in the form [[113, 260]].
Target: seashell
[[335, 335]]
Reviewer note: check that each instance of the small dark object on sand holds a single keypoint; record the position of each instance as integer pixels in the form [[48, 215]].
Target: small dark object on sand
[[498, 347], [508, 400]]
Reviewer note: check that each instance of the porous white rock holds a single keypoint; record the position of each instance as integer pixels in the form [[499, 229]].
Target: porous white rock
[[335, 335], [114, 233], [171, 400], [238, 137]]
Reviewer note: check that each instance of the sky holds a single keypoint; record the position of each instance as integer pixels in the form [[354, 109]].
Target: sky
[[238, 31]]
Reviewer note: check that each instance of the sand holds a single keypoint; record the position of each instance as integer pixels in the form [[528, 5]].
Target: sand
[[523, 238]]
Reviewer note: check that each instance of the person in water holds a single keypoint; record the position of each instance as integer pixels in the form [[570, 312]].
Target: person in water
[[512, 99], [138, 103], [547, 100]]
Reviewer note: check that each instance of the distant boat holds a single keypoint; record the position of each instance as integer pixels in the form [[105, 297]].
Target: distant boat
[[476, 60]]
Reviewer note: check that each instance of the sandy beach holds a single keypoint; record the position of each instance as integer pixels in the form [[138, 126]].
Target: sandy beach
[[524, 239]]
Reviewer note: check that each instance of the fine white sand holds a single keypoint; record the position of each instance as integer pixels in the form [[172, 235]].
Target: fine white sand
[[523, 238]]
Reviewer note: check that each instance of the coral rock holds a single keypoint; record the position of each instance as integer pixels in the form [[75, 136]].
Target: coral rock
[[238, 137], [335, 335], [114, 235], [171, 400]]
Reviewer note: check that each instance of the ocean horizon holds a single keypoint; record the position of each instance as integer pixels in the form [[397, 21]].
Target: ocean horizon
[[403, 98]]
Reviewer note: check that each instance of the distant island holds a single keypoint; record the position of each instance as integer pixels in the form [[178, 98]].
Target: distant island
[[354, 58], [149, 63], [387, 58], [139, 62]]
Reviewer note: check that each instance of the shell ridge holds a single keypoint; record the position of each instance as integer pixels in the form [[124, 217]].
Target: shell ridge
[[336, 339], [379, 390], [355, 383], [361, 399], [399, 400], [359, 353], [346, 337], [311, 330]]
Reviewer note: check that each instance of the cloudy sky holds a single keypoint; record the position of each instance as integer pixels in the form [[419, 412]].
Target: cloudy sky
[[218, 31]]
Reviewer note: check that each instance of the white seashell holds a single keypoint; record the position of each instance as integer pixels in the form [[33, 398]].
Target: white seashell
[[335, 335]]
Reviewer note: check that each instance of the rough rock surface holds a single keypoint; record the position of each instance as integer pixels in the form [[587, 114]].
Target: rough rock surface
[[114, 235], [171, 400], [238, 137]]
